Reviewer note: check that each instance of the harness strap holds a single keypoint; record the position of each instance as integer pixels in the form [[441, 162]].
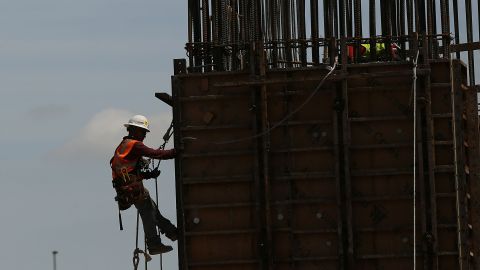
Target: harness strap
[[125, 175], [120, 219]]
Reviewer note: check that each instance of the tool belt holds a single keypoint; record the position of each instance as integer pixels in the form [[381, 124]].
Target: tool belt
[[129, 190]]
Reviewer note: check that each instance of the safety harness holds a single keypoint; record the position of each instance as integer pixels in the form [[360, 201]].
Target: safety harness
[[126, 179]]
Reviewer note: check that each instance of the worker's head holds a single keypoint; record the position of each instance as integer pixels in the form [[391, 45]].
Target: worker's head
[[137, 127]]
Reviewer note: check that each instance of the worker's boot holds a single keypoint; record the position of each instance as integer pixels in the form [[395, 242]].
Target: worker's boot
[[172, 234], [155, 246]]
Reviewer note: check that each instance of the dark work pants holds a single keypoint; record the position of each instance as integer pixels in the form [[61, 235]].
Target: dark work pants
[[151, 218]]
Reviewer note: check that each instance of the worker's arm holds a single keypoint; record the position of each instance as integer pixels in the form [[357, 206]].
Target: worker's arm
[[141, 150]]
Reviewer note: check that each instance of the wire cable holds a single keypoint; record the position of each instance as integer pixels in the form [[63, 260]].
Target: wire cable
[[315, 91]]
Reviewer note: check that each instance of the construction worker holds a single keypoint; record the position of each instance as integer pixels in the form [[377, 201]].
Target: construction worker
[[129, 168], [364, 51]]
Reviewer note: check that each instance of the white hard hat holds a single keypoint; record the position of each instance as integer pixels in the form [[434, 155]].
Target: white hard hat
[[138, 121]]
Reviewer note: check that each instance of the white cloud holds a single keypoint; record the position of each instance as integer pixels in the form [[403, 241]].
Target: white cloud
[[99, 137]]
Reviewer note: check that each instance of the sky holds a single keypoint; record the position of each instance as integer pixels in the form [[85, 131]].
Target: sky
[[71, 73]]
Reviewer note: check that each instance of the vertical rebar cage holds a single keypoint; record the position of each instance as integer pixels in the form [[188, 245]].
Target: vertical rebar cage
[[301, 33]]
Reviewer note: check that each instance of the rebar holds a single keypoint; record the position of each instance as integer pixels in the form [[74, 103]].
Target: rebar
[[349, 19], [358, 18], [373, 28], [410, 16], [383, 15], [221, 32], [206, 31], [478, 18], [334, 7], [471, 60], [302, 34], [402, 10], [456, 25], [287, 33], [314, 31], [420, 16], [197, 38], [434, 32], [445, 18], [342, 17]]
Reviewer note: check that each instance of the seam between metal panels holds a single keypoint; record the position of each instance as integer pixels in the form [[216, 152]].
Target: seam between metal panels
[[182, 256]]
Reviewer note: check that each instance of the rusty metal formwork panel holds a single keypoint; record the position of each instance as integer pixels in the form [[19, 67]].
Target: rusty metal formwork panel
[[380, 147], [262, 186]]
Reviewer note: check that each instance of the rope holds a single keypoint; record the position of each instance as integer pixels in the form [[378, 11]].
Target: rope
[[166, 137], [136, 258], [145, 253], [415, 161], [161, 262], [156, 200], [137, 251]]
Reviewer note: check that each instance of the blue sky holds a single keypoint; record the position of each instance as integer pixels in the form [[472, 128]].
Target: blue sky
[[71, 73]]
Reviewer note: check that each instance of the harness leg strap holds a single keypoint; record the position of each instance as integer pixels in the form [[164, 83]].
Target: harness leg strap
[[120, 219]]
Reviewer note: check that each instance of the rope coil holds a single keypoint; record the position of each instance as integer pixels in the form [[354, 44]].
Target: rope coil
[[136, 257]]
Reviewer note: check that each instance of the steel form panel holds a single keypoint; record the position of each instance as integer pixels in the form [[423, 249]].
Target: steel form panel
[[429, 142], [382, 141], [443, 183], [339, 189], [459, 164], [473, 157]]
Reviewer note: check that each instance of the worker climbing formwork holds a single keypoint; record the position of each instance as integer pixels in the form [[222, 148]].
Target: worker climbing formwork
[[129, 169]]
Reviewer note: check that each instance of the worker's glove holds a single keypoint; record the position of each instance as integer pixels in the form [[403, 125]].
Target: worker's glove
[[155, 173], [151, 174]]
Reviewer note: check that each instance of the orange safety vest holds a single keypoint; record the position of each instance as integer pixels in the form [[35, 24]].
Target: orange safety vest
[[121, 166], [127, 182]]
